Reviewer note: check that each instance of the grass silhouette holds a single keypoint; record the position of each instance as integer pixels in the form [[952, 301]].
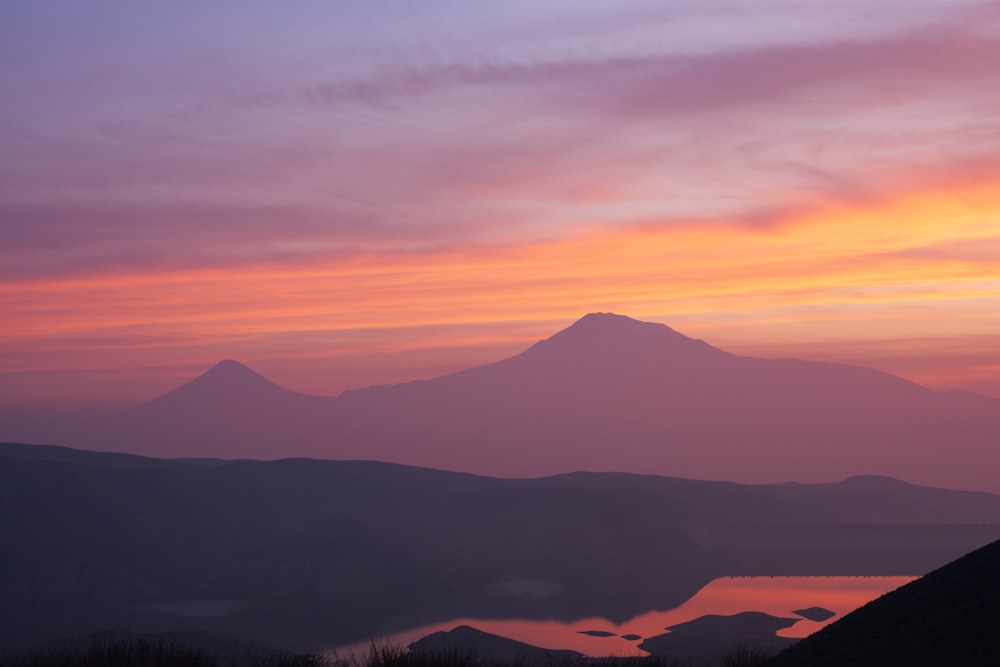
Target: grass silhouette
[[142, 652]]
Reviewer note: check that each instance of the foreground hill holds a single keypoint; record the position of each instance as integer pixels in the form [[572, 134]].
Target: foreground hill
[[948, 617], [607, 393], [309, 553]]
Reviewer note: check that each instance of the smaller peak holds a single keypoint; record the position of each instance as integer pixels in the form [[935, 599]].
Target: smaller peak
[[228, 380], [229, 365], [229, 370]]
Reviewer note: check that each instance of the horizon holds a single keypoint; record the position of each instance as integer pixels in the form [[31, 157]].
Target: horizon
[[389, 193], [148, 383], [226, 365]]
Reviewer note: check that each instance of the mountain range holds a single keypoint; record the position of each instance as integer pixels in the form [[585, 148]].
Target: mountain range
[[607, 393]]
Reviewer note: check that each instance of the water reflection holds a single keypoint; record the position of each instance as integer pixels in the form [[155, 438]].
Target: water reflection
[[778, 596]]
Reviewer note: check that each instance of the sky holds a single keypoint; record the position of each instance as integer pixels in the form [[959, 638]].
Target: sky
[[342, 194]]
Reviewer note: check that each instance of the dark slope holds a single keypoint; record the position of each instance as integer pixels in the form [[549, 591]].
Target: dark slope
[[607, 393], [948, 617], [306, 553]]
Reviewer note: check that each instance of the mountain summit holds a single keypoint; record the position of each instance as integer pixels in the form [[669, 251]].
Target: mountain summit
[[611, 324], [596, 334]]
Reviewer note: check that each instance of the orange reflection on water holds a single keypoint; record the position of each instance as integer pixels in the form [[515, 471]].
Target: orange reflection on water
[[777, 596]]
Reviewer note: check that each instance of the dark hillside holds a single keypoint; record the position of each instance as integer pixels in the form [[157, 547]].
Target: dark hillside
[[949, 617]]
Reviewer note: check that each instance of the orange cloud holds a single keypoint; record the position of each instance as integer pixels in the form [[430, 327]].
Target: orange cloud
[[895, 270]]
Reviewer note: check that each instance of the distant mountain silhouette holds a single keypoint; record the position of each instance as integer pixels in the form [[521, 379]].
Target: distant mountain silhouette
[[226, 382], [310, 554], [612, 393], [948, 617], [229, 411], [607, 393]]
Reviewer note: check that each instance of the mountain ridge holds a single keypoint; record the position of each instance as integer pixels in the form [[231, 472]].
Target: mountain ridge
[[318, 553]]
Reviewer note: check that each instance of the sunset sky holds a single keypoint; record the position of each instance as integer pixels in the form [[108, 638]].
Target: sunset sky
[[348, 193]]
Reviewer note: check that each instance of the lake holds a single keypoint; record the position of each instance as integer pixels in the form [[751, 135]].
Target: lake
[[777, 596]]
